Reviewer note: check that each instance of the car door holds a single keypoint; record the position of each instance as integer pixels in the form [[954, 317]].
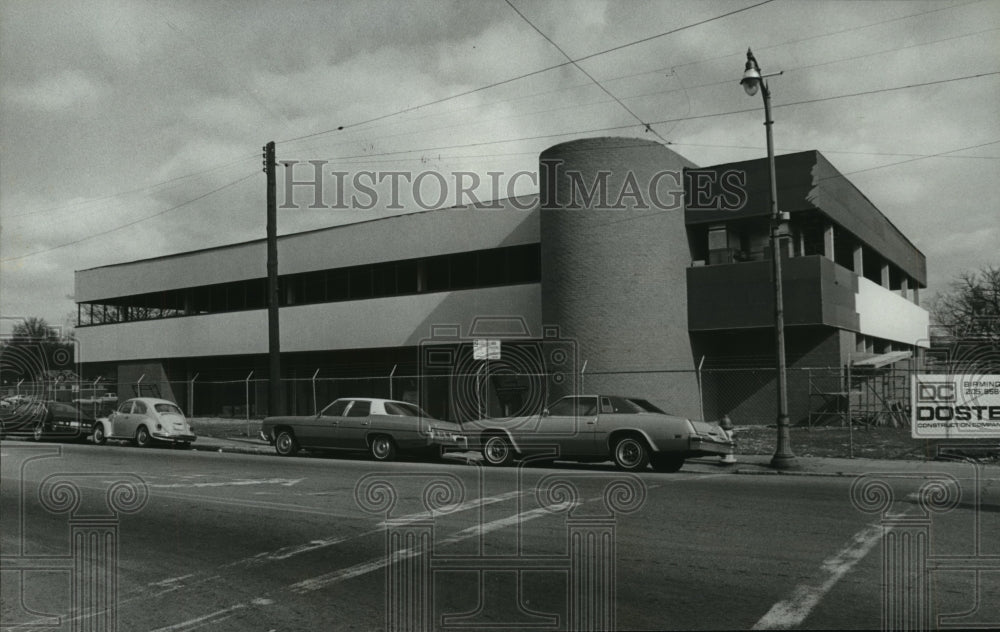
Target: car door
[[138, 417], [570, 424], [322, 431], [354, 425], [120, 420]]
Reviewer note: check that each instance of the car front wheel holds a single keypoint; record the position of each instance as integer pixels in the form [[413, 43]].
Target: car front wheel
[[99, 437], [285, 443], [497, 450], [382, 448], [631, 454], [142, 437]]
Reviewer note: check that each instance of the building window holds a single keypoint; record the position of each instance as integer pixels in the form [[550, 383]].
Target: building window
[[458, 271]]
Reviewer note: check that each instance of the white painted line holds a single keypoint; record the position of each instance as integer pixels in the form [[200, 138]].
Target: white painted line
[[197, 622], [791, 612], [290, 551], [339, 575], [287, 482]]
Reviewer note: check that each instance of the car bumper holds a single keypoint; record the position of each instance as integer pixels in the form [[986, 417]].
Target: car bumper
[[450, 443], [708, 447], [174, 438]]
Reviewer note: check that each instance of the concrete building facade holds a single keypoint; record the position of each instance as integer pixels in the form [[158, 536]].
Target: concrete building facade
[[626, 274]]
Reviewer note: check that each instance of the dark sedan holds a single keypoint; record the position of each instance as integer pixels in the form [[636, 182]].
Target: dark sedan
[[381, 427], [41, 420]]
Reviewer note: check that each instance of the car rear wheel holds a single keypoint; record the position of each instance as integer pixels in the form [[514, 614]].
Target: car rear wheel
[[667, 463], [497, 450], [631, 454], [99, 437], [285, 443], [38, 432], [142, 437], [382, 448]]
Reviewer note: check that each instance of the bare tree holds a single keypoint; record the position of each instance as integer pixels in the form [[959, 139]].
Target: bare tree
[[970, 308]]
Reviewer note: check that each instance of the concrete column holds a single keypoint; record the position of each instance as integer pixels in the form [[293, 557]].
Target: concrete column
[[828, 251], [802, 243], [904, 287], [859, 261], [885, 275], [916, 294]]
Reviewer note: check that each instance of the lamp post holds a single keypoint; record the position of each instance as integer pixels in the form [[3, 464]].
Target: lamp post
[[753, 81]]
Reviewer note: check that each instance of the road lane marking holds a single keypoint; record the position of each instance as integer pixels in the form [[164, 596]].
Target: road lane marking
[[206, 619], [287, 482], [290, 551], [791, 612], [327, 579]]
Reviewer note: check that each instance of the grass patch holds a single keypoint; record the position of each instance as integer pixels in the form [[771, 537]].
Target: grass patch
[[836, 441]]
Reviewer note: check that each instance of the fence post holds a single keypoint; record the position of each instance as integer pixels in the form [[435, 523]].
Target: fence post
[[191, 395], [583, 372], [850, 417], [138, 385], [93, 394], [247, 402], [19, 386], [315, 412], [391, 374], [701, 393]]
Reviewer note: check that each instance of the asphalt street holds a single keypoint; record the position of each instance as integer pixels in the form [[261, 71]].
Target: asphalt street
[[203, 540]]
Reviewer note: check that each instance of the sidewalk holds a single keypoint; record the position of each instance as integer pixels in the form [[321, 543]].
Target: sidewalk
[[747, 464]]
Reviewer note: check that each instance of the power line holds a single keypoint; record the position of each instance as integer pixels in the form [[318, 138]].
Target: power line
[[589, 76], [524, 76], [136, 190], [673, 120], [644, 95], [132, 223]]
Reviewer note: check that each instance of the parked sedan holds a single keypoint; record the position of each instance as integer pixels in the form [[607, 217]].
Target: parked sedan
[[47, 420], [145, 420], [381, 427], [630, 431]]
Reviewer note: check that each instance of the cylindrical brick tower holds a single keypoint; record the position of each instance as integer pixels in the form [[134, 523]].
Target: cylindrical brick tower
[[614, 251]]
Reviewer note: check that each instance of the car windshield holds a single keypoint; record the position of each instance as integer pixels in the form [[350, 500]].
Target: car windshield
[[574, 406], [168, 408], [403, 409]]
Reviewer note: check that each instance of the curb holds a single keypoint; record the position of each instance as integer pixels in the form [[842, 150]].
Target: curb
[[739, 471]]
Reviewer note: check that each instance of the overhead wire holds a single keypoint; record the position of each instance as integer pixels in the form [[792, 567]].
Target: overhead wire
[[523, 76], [584, 71], [656, 93], [670, 120], [131, 223]]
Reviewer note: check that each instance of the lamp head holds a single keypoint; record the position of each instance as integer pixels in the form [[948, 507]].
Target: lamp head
[[751, 75]]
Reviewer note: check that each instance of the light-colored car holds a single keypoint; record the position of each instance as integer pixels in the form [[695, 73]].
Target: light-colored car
[[630, 431], [145, 420], [382, 427]]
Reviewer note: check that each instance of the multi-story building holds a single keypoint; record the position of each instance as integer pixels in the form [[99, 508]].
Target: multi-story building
[[605, 281]]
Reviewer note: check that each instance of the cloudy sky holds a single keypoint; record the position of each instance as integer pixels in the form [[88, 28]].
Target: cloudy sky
[[133, 129]]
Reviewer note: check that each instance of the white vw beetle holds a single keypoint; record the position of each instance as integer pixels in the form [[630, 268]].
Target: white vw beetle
[[145, 420]]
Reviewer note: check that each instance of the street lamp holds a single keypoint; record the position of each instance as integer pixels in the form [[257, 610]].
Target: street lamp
[[753, 81]]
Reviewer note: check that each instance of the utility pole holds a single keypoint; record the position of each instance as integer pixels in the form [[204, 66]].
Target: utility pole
[[273, 331]]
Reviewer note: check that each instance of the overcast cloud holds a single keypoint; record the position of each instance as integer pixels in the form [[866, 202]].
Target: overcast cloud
[[113, 112]]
